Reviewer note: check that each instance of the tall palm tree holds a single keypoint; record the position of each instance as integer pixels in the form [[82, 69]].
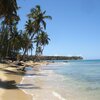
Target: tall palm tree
[[8, 10], [11, 24], [15, 41], [8, 7], [3, 41], [29, 34], [26, 43], [36, 23], [10, 37]]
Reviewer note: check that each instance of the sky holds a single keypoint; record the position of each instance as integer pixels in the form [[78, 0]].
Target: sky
[[74, 29]]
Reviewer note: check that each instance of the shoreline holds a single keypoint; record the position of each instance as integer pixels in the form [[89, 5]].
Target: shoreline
[[36, 66], [58, 86], [8, 81], [42, 89], [42, 81], [11, 77]]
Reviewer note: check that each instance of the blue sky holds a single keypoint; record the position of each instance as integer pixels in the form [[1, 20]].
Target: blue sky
[[74, 29]]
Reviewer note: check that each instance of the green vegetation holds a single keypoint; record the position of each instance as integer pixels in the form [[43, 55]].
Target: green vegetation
[[35, 27], [8, 8], [12, 40]]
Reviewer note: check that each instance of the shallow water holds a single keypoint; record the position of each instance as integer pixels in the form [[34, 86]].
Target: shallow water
[[75, 80]]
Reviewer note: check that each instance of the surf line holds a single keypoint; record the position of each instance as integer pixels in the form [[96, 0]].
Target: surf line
[[58, 96]]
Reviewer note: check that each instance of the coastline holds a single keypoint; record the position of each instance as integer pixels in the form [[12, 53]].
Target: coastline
[[56, 81], [43, 87], [9, 78], [60, 82]]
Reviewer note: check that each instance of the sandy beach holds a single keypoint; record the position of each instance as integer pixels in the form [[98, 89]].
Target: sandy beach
[[58, 81], [9, 78]]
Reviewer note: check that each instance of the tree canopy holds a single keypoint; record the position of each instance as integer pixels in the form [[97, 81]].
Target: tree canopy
[[8, 8], [14, 41]]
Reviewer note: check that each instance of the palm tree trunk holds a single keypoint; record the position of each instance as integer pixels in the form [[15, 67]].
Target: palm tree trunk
[[7, 50], [42, 50], [31, 51], [26, 49]]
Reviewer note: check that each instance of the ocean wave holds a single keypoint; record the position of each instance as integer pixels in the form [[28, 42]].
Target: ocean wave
[[58, 96]]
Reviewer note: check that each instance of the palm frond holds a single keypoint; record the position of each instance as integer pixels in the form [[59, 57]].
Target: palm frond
[[44, 24], [8, 7], [47, 17], [38, 8]]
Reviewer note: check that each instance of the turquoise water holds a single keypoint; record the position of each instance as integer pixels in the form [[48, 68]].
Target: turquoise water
[[81, 78], [84, 71], [61, 80]]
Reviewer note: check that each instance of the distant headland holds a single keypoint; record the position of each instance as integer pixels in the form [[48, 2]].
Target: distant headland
[[57, 57]]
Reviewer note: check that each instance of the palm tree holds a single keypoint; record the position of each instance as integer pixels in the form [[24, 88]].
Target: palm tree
[[41, 40], [3, 41], [38, 17], [10, 38], [11, 21], [44, 40], [8, 11], [29, 34], [15, 41], [11, 24], [36, 23], [8, 8], [27, 44], [29, 27]]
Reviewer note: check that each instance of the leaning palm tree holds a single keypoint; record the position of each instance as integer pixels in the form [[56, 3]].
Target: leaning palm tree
[[36, 22], [8, 7]]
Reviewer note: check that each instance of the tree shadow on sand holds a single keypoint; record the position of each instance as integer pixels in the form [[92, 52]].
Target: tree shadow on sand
[[12, 85], [20, 73], [12, 72]]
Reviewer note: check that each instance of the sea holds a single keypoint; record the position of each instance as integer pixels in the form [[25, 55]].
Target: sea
[[63, 80]]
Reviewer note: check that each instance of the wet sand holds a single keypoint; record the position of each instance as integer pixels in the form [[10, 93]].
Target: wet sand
[[45, 85]]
